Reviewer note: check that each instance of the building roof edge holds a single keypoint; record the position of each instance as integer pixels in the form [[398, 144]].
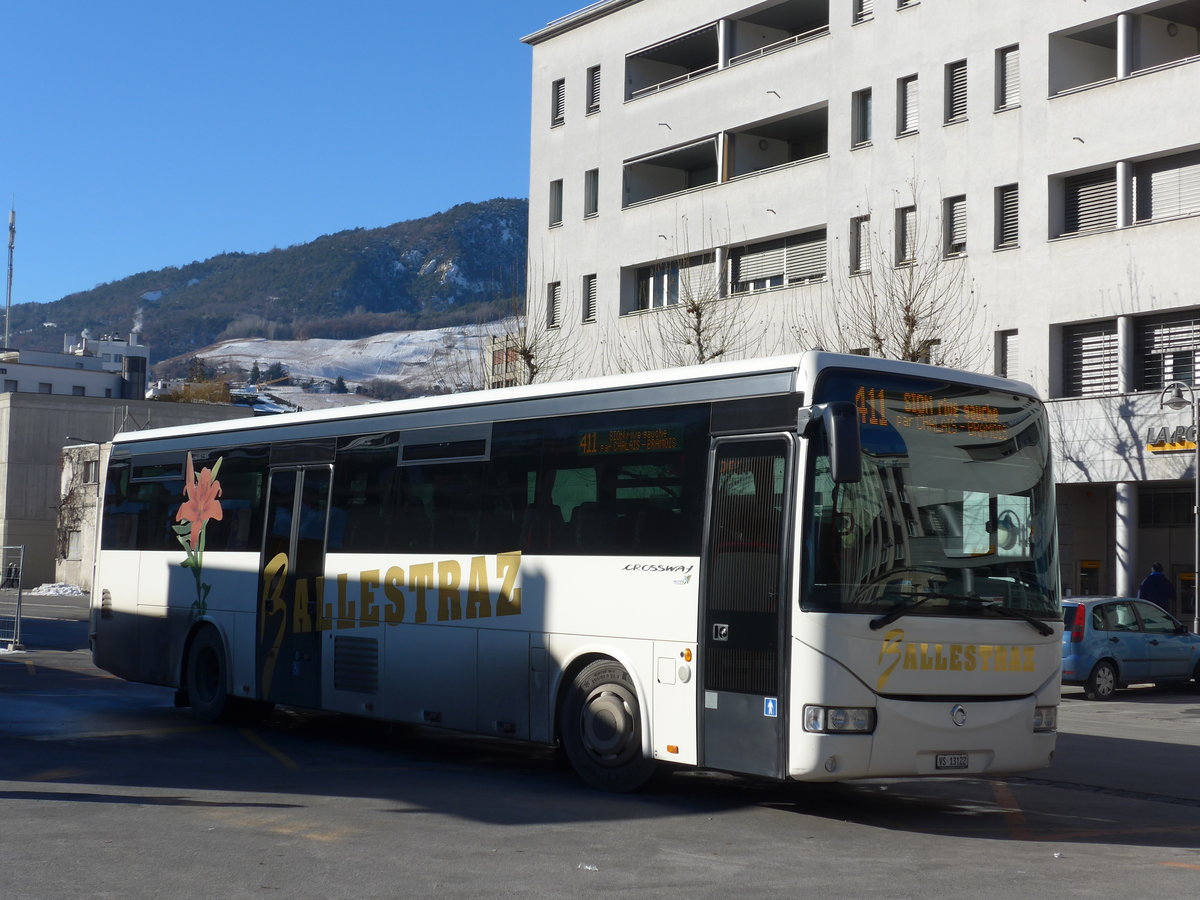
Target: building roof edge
[[574, 20]]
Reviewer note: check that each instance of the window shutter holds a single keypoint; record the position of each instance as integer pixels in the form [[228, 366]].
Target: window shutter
[[957, 91], [908, 105], [956, 225], [757, 261], [1167, 187], [861, 245], [806, 258], [906, 223], [863, 9], [1009, 363], [553, 304], [1090, 359], [593, 101], [697, 279], [1010, 77], [1167, 347], [558, 102], [589, 298], [1091, 201], [1009, 216]]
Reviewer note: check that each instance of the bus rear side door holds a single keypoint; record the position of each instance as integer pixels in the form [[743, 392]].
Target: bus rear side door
[[744, 618], [291, 585]]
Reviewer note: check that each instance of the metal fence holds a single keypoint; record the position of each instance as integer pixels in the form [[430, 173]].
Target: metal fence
[[12, 563]]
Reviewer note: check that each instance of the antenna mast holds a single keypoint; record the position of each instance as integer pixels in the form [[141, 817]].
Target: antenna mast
[[12, 240]]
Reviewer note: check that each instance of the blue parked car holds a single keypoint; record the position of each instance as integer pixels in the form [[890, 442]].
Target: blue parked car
[[1112, 642]]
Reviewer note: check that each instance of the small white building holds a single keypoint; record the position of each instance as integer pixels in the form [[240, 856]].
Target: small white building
[[776, 154]]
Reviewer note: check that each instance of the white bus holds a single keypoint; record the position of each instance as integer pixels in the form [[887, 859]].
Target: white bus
[[816, 567]]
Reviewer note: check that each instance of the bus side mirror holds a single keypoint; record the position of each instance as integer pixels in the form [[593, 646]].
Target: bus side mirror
[[840, 421]]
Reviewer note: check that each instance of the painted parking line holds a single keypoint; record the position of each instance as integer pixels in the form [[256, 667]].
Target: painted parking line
[[1014, 816], [1179, 865], [132, 732], [262, 745]]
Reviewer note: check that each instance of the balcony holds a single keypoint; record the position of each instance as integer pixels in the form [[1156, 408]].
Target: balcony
[[780, 142]]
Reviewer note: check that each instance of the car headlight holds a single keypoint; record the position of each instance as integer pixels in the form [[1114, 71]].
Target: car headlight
[[839, 719], [1045, 718]]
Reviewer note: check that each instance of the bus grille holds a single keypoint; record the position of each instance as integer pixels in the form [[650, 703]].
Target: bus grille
[[741, 671], [356, 664]]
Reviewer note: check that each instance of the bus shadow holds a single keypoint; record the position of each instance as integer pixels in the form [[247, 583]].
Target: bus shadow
[[1090, 796]]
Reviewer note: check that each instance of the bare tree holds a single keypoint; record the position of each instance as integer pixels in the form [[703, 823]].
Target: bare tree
[[903, 295]]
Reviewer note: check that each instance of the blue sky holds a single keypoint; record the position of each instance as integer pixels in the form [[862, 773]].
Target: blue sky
[[137, 134]]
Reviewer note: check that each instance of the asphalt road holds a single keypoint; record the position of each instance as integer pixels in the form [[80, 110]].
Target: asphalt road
[[107, 790]]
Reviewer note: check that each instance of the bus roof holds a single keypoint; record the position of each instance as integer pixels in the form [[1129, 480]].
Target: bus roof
[[715, 381]]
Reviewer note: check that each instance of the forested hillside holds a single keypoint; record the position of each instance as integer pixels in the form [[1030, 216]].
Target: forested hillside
[[453, 267]]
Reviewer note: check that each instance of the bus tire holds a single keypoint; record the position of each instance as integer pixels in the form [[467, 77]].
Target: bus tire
[[601, 728], [207, 677], [1102, 682]]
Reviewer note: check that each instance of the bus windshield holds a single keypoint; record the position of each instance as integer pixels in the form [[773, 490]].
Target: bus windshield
[[954, 515]]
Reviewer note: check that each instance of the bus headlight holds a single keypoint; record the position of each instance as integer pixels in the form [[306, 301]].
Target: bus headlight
[[839, 719], [1045, 718]]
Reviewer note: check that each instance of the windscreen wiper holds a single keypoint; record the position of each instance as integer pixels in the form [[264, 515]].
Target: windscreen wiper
[[983, 602], [902, 610]]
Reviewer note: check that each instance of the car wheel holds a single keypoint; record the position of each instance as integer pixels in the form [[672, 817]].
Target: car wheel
[[1102, 683]]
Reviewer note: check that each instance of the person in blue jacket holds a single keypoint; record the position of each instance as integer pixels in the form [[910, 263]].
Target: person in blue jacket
[[1157, 588]]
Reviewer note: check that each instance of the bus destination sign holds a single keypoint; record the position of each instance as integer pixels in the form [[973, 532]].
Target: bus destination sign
[[612, 441], [927, 412]]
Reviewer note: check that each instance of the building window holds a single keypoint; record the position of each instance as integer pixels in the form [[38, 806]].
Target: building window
[[558, 102], [554, 304], [860, 121], [664, 283], [556, 202], [77, 390], [956, 92], [860, 245], [905, 4], [108, 392], [863, 10], [797, 259], [591, 192], [593, 90], [589, 298], [906, 235], [907, 106], [954, 226], [1008, 77], [44, 387], [1167, 187], [1006, 354], [1090, 201], [1007, 216], [1160, 507], [1167, 349], [10, 385], [1090, 359], [91, 471], [74, 545]]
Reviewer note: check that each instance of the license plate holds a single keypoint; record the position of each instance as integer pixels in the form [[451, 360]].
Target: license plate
[[950, 761]]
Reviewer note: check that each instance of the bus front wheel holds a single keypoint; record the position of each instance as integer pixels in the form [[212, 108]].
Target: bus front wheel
[[601, 728], [207, 676]]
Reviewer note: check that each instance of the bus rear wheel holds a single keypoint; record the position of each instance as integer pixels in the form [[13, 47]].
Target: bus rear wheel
[[207, 676], [601, 728]]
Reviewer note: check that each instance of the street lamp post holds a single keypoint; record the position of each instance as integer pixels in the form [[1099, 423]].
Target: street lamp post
[[1172, 396]]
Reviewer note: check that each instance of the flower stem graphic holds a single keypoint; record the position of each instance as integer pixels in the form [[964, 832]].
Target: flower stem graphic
[[203, 492]]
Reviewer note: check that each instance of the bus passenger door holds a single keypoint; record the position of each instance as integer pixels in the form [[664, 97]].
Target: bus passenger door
[[291, 585], [744, 615]]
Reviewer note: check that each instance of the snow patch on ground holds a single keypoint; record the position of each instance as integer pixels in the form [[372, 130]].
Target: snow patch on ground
[[58, 589]]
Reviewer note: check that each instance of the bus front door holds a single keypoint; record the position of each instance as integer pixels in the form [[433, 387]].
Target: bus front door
[[291, 585], [744, 619]]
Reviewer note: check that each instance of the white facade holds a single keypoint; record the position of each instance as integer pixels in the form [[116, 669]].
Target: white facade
[[1049, 151]]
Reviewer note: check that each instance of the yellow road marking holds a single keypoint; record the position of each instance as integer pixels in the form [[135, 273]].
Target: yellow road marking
[[29, 668], [55, 774], [262, 745], [132, 732], [1176, 865], [1013, 816]]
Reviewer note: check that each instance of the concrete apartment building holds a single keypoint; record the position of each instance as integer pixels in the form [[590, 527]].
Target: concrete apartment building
[[777, 154], [78, 398]]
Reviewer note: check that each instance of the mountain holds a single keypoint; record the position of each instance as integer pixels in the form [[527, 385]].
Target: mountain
[[454, 267]]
